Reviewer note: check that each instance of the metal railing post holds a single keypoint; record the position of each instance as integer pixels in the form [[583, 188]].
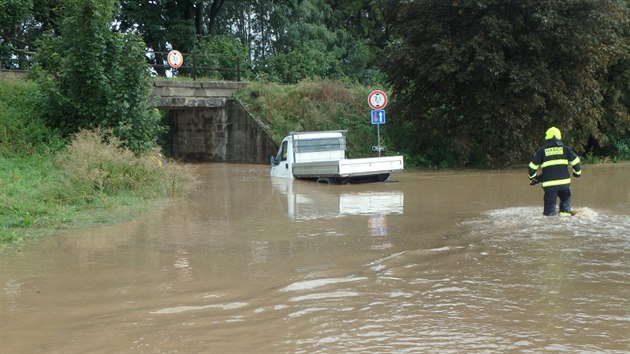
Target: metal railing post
[[194, 72], [238, 69]]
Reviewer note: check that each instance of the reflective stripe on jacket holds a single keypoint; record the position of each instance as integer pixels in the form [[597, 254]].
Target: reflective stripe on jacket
[[554, 158]]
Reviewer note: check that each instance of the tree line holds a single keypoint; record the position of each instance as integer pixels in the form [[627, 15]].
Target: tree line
[[470, 82]]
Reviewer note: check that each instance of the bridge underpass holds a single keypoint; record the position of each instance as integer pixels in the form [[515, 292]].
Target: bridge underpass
[[208, 125]]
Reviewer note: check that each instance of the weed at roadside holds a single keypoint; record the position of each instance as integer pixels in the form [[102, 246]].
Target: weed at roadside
[[89, 182]]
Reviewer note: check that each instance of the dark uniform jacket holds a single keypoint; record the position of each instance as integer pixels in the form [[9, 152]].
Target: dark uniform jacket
[[554, 157]]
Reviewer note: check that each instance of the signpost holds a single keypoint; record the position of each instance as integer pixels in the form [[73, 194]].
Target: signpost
[[175, 59], [377, 100], [378, 116]]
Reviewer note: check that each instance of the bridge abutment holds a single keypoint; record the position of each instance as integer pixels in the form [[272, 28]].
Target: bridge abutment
[[208, 125]]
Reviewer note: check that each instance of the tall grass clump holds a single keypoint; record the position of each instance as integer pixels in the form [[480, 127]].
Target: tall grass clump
[[96, 164]]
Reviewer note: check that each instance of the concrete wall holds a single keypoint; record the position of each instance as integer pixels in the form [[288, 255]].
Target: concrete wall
[[219, 134], [207, 124], [173, 93]]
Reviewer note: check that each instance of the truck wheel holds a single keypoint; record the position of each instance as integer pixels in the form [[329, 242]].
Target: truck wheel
[[326, 180]]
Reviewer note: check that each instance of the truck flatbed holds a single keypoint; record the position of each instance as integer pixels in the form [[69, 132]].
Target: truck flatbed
[[348, 167]]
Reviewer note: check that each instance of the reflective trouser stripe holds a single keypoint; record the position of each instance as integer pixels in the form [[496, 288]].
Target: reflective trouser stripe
[[557, 182]]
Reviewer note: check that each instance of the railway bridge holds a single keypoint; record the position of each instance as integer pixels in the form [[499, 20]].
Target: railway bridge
[[207, 124]]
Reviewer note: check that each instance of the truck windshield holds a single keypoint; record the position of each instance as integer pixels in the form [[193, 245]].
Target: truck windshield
[[318, 145]]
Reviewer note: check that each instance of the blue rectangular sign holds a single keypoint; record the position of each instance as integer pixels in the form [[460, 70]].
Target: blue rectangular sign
[[378, 116]]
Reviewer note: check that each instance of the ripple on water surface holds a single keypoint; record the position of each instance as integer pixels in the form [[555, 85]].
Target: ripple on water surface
[[510, 279]]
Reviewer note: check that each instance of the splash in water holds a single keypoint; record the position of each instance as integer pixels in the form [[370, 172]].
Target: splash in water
[[529, 222]]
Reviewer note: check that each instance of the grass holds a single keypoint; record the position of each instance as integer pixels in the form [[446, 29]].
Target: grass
[[92, 181], [49, 182], [312, 106]]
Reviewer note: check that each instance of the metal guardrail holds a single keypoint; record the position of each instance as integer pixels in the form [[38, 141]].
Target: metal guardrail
[[193, 65]]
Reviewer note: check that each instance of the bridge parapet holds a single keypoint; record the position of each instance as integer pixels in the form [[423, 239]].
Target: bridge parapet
[[191, 94]]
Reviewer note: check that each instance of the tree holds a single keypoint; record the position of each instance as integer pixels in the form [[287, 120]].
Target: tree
[[169, 24], [303, 45], [95, 77], [291, 40], [22, 23], [175, 22], [365, 36], [222, 53], [478, 82], [616, 103], [13, 15], [616, 126]]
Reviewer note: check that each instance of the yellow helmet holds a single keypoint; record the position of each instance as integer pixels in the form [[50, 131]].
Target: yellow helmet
[[553, 132]]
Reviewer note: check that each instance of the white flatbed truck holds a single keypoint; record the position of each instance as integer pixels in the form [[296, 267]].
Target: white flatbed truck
[[321, 156]]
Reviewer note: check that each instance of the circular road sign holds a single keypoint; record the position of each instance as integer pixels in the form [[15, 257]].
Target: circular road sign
[[175, 59], [377, 99]]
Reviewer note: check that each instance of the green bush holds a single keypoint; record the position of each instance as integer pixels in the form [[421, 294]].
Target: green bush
[[22, 128]]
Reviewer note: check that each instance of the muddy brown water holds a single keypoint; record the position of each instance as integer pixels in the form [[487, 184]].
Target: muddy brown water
[[435, 262]]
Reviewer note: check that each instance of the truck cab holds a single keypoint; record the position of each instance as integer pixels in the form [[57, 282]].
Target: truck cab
[[307, 147]]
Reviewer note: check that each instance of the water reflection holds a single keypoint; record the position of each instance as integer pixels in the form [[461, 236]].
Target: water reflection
[[309, 201]]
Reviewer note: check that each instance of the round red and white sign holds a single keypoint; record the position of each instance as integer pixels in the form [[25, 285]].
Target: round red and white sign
[[377, 99], [175, 59]]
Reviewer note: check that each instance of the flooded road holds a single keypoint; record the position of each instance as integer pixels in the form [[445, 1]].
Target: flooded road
[[435, 262]]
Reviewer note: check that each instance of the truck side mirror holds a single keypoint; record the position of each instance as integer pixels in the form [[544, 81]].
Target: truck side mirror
[[273, 160]]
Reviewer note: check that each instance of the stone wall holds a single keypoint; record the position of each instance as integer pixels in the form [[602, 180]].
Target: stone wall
[[173, 93], [219, 134], [208, 125]]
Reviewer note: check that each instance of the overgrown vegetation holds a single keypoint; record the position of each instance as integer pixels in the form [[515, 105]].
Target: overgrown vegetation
[[471, 83], [478, 82], [316, 105], [96, 164], [46, 185], [79, 142], [96, 78], [22, 129]]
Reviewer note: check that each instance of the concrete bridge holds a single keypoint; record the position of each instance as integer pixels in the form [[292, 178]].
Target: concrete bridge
[[207, 124]]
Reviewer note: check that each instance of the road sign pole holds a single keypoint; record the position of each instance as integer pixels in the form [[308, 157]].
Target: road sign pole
[[377, 100], [378, 139]]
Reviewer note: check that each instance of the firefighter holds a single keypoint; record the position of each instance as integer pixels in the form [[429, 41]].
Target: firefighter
[[554, 158]]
